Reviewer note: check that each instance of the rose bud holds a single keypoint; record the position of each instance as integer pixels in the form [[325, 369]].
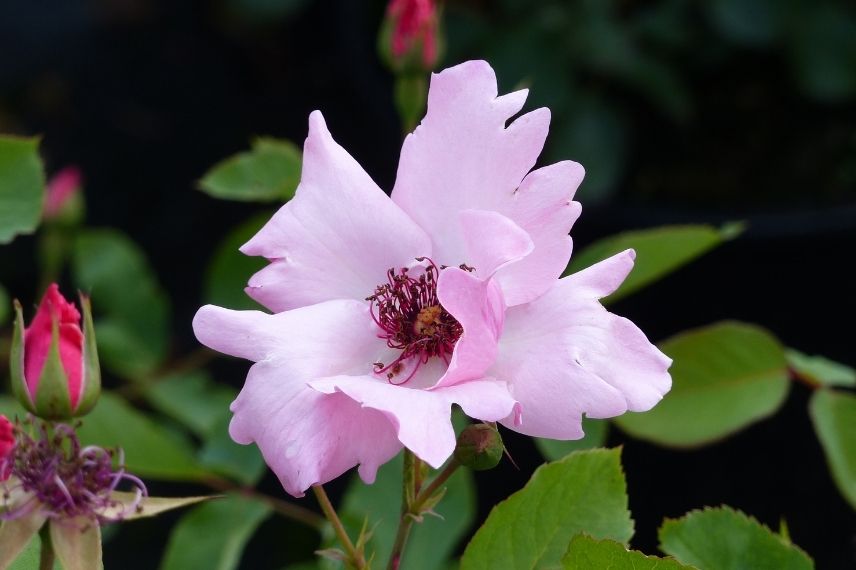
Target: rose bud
[[7, 445], [54, 365], [63, 198], [409, 35], [479, 447]]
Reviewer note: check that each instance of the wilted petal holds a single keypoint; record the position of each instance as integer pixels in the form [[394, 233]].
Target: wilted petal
[[336, 238], [564, 355]]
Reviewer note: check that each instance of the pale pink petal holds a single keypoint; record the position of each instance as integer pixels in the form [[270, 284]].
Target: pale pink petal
[[543, 208], [477, 304], [307, 437], [492, 241], [422, 418], [564, 355], [336, 238], [334, 337], [462, 156]]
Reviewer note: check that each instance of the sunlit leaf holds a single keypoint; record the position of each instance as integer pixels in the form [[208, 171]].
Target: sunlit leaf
[[22, 184], [725, 539], [834, 417], [595, 436], [586, 553], [214, 534], [725, 377], [268, 172], [132, 308], [584, 492], [659, 251]]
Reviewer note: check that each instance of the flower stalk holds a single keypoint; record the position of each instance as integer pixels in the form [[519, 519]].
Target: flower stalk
[[354, 556], [46, 556], [417, 501]]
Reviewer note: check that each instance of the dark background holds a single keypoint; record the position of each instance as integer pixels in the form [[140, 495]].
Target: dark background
[[707, 118]]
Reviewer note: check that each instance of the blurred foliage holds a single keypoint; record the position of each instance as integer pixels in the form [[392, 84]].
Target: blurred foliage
[[606, 67], [22, 186], [834, 416]]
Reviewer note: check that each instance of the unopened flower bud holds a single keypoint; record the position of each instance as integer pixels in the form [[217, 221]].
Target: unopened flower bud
[[479, 447], [63, 199], [54, 364], [409, 36], [7, 444]]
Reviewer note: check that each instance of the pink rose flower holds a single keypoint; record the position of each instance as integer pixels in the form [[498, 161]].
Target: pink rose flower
[[388, 311]]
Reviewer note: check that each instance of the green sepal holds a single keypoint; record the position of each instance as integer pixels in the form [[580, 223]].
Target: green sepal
[[52, 398], [91, 377], [16, 361]]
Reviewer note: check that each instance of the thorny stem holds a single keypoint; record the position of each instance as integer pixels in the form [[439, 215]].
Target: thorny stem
[[46, 558], [355, 557], [411, 512], [284, 508]]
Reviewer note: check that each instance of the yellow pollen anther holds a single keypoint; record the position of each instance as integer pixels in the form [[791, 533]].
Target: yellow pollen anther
[[427, 319]]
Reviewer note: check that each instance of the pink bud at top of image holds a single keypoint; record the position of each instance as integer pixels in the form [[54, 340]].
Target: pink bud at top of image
[[61, 191], [54, 362], [414, 24]]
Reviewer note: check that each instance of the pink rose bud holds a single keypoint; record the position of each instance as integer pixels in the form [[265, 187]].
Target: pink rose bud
[[54, 364], [7, 444], [409, 36], [62, 197]]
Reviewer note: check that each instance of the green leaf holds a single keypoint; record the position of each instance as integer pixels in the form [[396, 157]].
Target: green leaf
[[147, 506], [77, 544], [432, 541], [726, 539], [133, 327], [820, 371], [191, 398], [834, 417], [4, 305], [595, 436], [229, 269], [203, 406], [659, 251], [586, 553], [725, 377], [242, 463], [150, 450], [22, 185], [213, 535], [269, 172], [584, 492]]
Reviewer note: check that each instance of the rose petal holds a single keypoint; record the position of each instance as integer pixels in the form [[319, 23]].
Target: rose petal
[[564, 355], [492, 241], [478, 306], [307, 437], [422, 418], [336, 238], [463, 157]]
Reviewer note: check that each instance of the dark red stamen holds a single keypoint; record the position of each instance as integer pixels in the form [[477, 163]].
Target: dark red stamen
[[412, 320]]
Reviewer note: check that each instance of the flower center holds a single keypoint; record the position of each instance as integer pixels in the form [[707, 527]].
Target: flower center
[[412, 320]]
